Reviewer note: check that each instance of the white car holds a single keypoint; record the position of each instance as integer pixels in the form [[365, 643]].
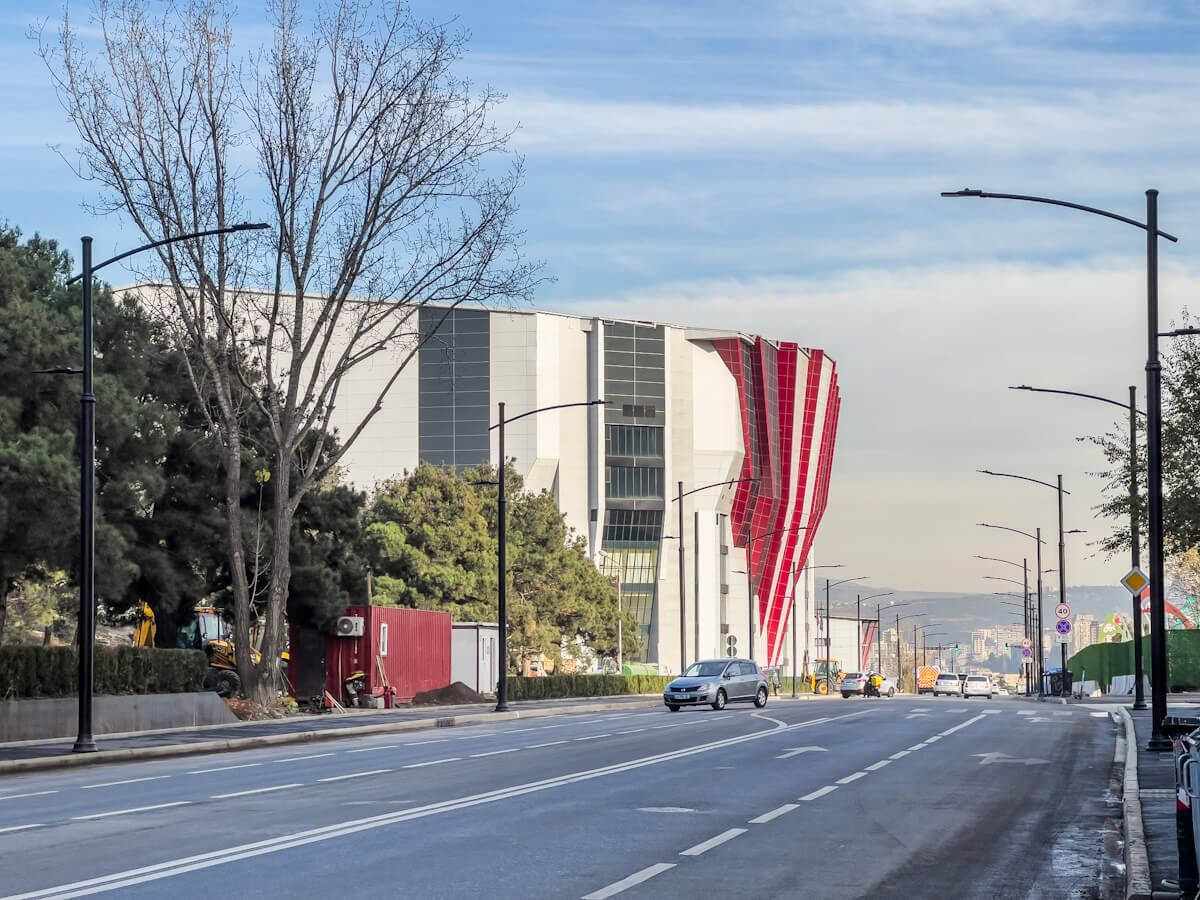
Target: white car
[[948, 683], [977, 686]]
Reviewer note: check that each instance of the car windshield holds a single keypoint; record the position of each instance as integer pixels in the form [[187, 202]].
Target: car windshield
[[850, 675], [947, 678], [704, 669], [977, 679]]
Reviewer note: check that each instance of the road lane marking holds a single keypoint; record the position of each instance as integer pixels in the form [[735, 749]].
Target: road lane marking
[[547, 744], [592, 737], [224, 768], [22, 796], [960, 725], [850, 778], [195, 862], [515, 731], [796, 751], [434, 762], [768, 718], [820, 792], [355, 775], [919, 709], [879, 765], [631, 731], [665, 809], [87, 787], [900, 754], [916, 747], [435, 741], [625, 883], [22, 827], [930, 740], [298, 758], [369, 749], [136, 809], [495, 752], [774, 814], [266, 790], [718, 840]]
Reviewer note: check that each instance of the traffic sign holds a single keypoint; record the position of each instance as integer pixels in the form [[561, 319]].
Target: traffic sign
[[1062, 638], [1026, 643], [1063, 626], [1135, 580], [1063, 611], [1026, 652]]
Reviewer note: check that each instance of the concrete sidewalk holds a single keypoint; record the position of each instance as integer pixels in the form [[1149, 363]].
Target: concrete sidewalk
[[30, 756]]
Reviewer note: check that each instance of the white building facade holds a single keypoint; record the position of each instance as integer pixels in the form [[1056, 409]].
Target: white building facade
[[685, 408]]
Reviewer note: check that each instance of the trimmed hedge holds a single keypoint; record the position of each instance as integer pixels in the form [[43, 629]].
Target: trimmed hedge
[[33, 671], [1103, 661], [553, 686], [549, 686]]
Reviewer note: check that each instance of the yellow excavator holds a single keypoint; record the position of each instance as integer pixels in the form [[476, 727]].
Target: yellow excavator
[[205, 631], [826, 675]]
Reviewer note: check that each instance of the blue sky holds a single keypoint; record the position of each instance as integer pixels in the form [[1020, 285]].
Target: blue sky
[[775, 167]]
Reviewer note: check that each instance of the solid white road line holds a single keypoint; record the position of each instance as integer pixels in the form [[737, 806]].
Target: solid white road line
[[625, 883], [850, 778], [705, 846], [122, 812], [266, 790], [21, 827], [224, 768], [820, 792], [355, 775], [87, 787], [22, 796], [879, 765], [547, 744], [774, 814], [298, 758], [432, 762], [169, 868], [495, 752]]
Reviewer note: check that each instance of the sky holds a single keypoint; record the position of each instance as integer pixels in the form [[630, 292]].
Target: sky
[[775, 167]]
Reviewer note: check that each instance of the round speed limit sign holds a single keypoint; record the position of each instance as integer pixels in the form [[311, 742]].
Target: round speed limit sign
[[1062, 611]]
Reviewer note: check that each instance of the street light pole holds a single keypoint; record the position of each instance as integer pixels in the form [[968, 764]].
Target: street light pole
[[1158, 637], [84, 741], [502, 548]]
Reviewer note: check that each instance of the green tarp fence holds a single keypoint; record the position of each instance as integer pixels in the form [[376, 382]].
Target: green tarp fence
[[1102, 662]]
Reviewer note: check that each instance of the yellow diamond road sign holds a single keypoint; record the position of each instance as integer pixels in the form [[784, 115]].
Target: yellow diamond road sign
[[1135, 581]]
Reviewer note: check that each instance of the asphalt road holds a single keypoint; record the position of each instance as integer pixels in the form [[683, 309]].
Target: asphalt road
[[860, 798]]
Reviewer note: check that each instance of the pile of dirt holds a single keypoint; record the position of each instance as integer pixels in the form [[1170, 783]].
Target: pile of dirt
[[448, 696], [248, 710]]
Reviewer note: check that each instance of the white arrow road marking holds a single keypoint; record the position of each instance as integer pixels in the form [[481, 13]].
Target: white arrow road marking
[[665, 809], [997, 757], [796, 751]]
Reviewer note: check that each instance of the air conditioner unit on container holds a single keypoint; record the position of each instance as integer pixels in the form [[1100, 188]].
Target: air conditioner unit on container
[[350, 626]]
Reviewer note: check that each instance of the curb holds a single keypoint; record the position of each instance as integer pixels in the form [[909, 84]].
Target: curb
[[196, 748], [1137, 862]]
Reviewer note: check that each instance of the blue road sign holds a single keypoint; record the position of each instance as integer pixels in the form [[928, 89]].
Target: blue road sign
[[1026, 652], [1063, 626]]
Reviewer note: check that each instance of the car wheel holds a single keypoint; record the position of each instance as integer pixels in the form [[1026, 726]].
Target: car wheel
[[891, 693], [760, 699], [989, 696], [823, 687], [673, 707], [845, 696], [227, 683], [719, 703]]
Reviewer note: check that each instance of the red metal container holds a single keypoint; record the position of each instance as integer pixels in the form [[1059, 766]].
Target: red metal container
[[412, 645]]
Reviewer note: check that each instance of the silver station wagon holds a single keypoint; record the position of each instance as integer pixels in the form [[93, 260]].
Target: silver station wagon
[[715, 682]]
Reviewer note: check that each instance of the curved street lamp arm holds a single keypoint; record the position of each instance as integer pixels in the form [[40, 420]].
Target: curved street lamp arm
[[998, 559], [970, 192], [1023, 478], [1006, 528], [707, 486], [844, 580], [244, 226], [1025, 387], [873, 596], [546, 409]]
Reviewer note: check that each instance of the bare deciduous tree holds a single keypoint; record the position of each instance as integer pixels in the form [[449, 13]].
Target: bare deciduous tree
[[375, 163]]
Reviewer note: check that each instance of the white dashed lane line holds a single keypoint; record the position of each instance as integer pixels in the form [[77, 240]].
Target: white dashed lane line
[[879, 765], [352, 775], [23, 796], [298, 758], [774, 814], [265, 790], [369, 749], [432, 762], [435, 741], [223, 769], [136, 809], [592, 737], [547, 744], [21, 827], [900, 754], [625, 883], [850, 778], [820, 792], [87, 787], [705, 846], [631, 731], [496, 752]]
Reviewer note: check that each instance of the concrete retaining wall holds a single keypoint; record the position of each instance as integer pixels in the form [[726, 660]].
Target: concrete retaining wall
[[31, 720]]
